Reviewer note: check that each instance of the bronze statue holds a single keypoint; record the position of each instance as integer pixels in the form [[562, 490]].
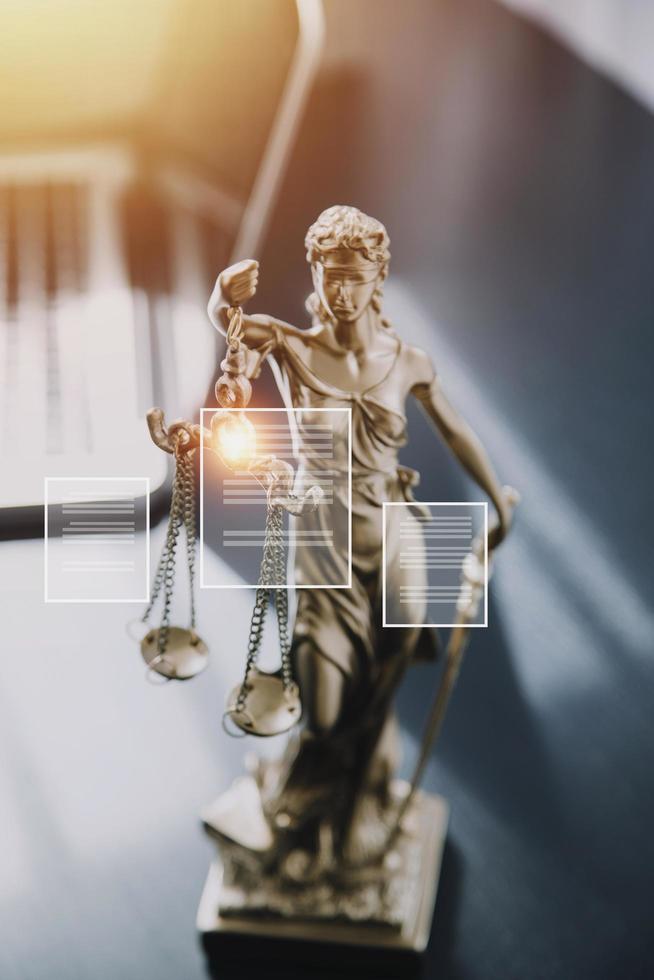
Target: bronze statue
[[327, 809]]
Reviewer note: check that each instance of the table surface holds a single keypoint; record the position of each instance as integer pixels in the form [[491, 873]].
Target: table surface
[[102, 777]]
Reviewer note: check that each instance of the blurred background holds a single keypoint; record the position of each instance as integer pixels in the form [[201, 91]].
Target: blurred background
[[509, 150]]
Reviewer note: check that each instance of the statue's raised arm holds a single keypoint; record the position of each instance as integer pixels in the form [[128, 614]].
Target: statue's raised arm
[[235, 286]]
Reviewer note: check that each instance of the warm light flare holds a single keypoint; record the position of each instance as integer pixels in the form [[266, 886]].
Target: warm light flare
[[71, 64], [236, 440]]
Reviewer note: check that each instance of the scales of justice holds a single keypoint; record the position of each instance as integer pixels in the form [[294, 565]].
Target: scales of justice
[[324, 843]]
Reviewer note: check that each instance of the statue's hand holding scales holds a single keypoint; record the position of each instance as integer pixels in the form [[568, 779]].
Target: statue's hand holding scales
[[237, 284]]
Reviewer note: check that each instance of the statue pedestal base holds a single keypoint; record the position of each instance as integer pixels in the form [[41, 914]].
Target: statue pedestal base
[[246, 923]]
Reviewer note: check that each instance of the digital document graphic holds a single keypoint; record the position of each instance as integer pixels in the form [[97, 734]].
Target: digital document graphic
[[97, 539]]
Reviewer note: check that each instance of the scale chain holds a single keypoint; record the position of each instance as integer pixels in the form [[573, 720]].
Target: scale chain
[[188, 487], [272, 573], [281, 600], [182, 511]]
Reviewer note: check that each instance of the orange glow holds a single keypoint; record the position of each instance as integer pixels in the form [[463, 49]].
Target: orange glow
[[70, 63], [237, 441]]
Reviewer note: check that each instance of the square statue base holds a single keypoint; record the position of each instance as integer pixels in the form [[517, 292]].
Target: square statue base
[[256, 936]]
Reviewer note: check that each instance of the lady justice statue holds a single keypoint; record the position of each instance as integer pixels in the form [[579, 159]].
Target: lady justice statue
[[325, 810]]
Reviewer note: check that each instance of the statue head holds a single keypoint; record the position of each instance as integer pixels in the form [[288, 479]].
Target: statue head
[[349, 256]]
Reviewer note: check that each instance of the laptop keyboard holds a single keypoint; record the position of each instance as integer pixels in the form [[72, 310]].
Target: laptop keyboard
[[103, 287]]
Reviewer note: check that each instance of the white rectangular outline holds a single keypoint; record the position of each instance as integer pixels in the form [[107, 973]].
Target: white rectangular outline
[[304, 408], [434, 503], [88, 479]]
